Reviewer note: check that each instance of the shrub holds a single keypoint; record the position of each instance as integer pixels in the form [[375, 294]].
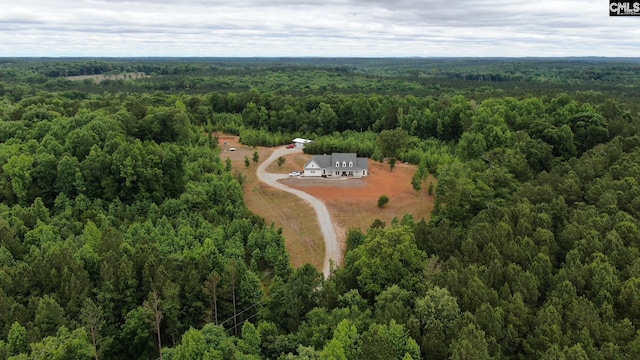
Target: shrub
[[416, 181], [383, 200]]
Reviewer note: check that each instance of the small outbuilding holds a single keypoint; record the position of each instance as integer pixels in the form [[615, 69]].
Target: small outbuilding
[[300, 143]]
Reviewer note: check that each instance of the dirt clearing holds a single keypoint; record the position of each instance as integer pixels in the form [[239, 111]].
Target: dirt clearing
[[300, 229], [352, 202]]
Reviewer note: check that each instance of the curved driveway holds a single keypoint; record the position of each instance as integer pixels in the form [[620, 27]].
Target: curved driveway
[[332, 250]]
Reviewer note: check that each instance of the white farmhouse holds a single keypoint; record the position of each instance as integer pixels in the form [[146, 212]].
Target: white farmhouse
[[337, 165]]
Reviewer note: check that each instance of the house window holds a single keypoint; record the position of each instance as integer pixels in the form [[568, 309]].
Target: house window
[[337, 163], [350, 163], [344, 164]]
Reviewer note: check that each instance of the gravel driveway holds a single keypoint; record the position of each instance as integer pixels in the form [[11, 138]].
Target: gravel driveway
[[332, 250]]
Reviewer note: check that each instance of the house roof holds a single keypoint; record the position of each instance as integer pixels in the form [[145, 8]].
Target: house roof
[[303, 141], [362, 163], [324, 161], [329, 161]]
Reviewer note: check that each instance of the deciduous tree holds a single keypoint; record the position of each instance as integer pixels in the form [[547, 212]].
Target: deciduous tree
[[154, 307], [17, 340], [392, 142]]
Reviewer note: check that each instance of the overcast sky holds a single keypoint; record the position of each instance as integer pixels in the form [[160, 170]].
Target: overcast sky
[[362, 28]]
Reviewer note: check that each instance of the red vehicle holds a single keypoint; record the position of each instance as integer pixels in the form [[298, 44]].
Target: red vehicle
[[290, 146]]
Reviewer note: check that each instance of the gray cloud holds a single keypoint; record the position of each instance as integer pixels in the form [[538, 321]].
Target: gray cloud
[[312, 28]]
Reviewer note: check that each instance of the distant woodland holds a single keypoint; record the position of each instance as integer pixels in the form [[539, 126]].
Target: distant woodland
[[124, 236]]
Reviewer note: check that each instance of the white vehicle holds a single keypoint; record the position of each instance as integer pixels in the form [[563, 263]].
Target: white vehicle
[[232, 149], [294, 173]]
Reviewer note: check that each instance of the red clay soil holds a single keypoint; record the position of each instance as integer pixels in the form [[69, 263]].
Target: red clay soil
[[352, 202], [381, 181]]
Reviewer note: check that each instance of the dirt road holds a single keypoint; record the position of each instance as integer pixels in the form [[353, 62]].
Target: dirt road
[[332, 249]]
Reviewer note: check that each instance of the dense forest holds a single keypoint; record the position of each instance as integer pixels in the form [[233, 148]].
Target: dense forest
[[124, 236]]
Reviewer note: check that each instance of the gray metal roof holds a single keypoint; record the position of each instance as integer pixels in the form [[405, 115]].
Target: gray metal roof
[[328, 162], [324, 161], [363, 163]]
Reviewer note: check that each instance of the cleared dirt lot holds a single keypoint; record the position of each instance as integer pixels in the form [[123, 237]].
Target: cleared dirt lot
[[300, 229], [352, 203]]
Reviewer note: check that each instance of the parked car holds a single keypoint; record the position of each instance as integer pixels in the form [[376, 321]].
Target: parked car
[[290, 146], [232, 149], [294, 173]]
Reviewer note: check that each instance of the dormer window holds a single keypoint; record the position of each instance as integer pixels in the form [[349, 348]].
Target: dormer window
[[344, 164], [350, 163], [337, 163]]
